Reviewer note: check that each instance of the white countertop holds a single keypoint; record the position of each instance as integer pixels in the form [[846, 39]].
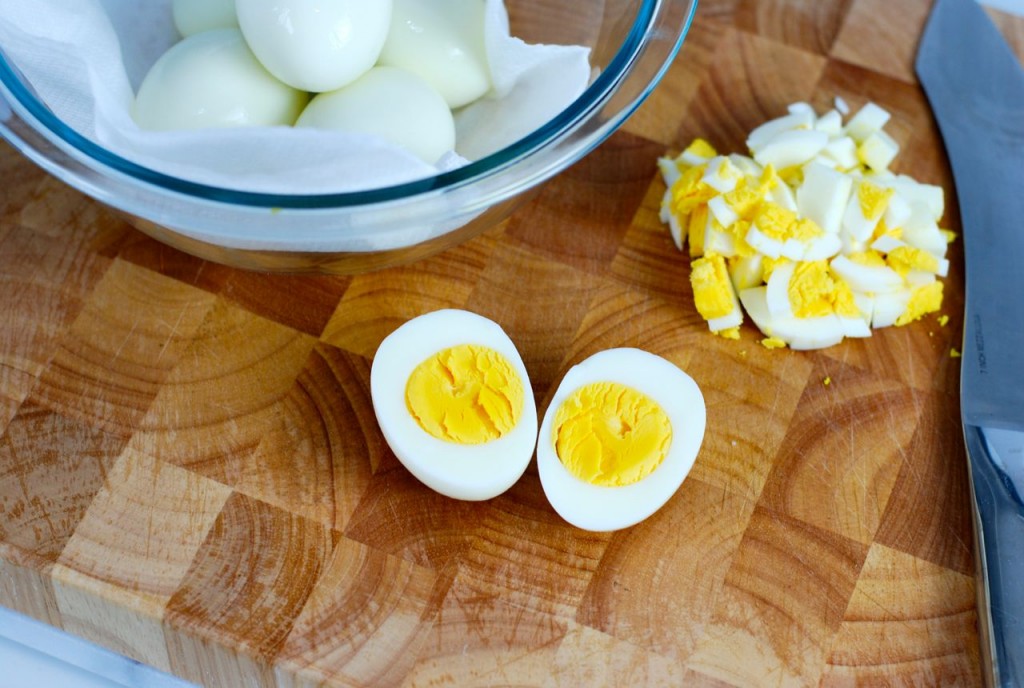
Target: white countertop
[[33, 654]]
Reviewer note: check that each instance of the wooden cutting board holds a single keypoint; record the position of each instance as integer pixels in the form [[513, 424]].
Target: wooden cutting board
[[191, 472]]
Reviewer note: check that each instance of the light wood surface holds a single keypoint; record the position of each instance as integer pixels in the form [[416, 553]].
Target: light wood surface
[[191, 472]]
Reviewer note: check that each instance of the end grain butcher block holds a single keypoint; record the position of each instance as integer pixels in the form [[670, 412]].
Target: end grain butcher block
[[191, 472]]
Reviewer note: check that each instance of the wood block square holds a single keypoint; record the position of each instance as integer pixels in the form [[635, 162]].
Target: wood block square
[[43, 285], [782, 602], [364, 622], [742, 89], [58, 211], [51, 468], [321, 446], [883, 36], [403, 517], [516, 646], [658, 581], [679, 86], [647, 258], [140, 249], [538, 302], [134, 551], [806, 24], [524, 554], [587, 657], [752, 395], [246, 587], [581, 214], [929, 513], [217, 404], [275, 297], [111, 363], [907, 619], [20, 176], [375, 304], [842, 481]]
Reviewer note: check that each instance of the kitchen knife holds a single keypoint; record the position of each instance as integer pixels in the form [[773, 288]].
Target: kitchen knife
[[976, 89]]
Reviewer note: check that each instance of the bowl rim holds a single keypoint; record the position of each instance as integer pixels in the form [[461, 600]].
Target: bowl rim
[[592, 98]]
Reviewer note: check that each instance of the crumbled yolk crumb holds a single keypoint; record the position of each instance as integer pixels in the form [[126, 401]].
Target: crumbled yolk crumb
[[943, 320], [827, 381], [953, 353], [869, 258], [729, 333], [773, 343]]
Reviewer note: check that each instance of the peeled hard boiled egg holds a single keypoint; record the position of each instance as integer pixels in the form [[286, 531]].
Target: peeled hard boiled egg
[[391, 103], [442, 41], [454, 402], [210, 80], [618, 439], [195, 16], [315, 45]]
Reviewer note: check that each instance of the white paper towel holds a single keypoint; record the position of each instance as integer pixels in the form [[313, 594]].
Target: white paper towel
[[85, 58]]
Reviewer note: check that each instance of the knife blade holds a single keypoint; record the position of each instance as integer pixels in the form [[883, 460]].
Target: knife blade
[[975, 86]]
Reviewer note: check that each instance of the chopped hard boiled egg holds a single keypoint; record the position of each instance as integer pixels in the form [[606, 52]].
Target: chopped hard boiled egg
[[618, 438], [454, 402], [811, 234]]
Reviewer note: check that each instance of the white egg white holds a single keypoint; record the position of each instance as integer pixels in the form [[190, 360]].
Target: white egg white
[[598, 508], [462, 471]]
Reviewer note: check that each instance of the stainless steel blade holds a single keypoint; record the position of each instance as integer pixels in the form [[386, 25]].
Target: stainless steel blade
[[976, 88]]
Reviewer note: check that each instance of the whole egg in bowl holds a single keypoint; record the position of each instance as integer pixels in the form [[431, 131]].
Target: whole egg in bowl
[[619, 437], [454, 402]]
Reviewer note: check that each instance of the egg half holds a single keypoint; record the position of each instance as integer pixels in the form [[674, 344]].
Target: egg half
[[619, 437], [454, 402]]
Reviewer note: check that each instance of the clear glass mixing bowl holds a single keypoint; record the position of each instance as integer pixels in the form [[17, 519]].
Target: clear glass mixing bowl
[[632, 43]]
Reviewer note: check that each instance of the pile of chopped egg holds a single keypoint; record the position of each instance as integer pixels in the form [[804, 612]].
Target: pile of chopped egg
[[811, 235]]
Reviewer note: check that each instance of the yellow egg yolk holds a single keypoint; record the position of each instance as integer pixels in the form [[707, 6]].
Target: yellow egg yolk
[[701, 148], [815, 292], [689, 191], [873, 199], [467, 394], [923, 300], [774, 221], [610, 435], [906, 258], [712, 290]]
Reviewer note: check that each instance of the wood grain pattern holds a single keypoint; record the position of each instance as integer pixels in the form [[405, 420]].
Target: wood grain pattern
[[191, 472]]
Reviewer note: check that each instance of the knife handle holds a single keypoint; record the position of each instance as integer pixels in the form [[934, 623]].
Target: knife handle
[[996, 463]]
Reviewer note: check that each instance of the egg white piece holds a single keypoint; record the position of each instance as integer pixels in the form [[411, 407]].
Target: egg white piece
[[195, 16], [599, 508], [798, 333], [470, 472], [392, 104], [823, 196], [867, 278], [213, 80], [442, 41], [315, 46], [791, 148]]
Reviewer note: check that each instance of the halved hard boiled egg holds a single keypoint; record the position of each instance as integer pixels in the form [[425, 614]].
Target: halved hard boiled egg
[[454, 402], [619, 437]]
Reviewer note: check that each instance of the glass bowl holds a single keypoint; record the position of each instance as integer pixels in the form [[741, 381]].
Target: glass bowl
[[632, 43]]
